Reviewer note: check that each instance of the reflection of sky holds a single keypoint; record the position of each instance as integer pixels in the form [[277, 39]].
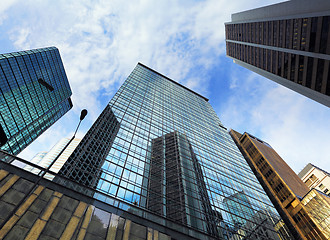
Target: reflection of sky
[[163, 107], [103, 216]]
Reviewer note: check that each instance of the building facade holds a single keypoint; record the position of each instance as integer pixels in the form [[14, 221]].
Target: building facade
[[170, 157], [84, 165], [299, 207], [315, 177], [288, 43], [34, 94], [53, 211], [45, 159]]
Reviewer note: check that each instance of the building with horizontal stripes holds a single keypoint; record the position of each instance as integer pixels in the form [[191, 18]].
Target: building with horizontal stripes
[[288, 43]]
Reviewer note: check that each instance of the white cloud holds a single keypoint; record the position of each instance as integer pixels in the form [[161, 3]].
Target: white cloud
[[296, 127], [4, 6], [101, 41]]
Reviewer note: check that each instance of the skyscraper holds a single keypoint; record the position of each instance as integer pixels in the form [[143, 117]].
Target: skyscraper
[[288, 43], [161, 147], [34, 94], [305, 212], [44, 159]]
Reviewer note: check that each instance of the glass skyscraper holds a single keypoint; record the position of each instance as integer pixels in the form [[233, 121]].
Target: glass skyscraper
[[173, 160], [34, 94]]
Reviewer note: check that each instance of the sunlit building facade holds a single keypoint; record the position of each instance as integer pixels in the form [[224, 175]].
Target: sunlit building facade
[[34, 94], [173, 161], [315, 177], [306, 212], [286, 42]]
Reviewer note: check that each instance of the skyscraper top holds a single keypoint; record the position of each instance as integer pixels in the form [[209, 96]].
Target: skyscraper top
[[287, 43], [284, 10], [34, 93], [206, 99]]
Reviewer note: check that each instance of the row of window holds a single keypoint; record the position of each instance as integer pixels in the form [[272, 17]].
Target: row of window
[[305, 34], [307, 71]]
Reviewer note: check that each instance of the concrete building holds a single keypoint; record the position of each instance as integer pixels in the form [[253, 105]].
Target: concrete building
[[315, 177], [288, 43]]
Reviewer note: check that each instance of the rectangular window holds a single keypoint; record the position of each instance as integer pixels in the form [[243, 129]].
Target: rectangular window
[[309, 72], [293, 66], [295, 33], [300, 69], [324, 35], [303, 45], [286, 65], [281, 33], [312, 39], [288, 34], [275, 33], [319, 75]]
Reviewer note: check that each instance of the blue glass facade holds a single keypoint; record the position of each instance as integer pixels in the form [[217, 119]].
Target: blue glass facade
[[172, 156], [35, 93]]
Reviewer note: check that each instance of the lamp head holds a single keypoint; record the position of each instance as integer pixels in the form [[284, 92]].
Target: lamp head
[[83, 114]]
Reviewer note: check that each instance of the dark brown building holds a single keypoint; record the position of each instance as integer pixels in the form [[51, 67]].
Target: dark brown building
[[288, 43], [305, 212]]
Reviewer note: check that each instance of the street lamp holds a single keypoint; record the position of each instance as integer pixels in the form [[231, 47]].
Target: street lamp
[[82, 116]]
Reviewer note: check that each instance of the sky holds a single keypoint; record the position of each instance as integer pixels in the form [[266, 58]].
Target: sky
[[101, 41]]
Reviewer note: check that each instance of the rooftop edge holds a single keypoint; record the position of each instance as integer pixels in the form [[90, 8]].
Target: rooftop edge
[[206, 99]]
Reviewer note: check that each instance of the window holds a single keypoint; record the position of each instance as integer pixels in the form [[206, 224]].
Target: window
[[321, 186], [326, 191], [311, 180]]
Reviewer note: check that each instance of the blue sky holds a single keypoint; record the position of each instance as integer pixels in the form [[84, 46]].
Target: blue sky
[[101, 42]]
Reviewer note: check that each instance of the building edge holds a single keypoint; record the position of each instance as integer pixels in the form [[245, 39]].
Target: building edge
[[199, 95]]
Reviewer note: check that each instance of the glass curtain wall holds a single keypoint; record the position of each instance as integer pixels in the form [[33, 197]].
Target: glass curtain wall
[[151, 107]]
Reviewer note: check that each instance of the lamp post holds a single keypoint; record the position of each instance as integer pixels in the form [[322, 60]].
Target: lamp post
[[82, 116]]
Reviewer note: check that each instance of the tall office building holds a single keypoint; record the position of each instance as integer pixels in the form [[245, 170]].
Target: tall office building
[[288, 43], [305, 212], [84, 165], [44, 159], [35, 93], [161, 147], [315, 177]]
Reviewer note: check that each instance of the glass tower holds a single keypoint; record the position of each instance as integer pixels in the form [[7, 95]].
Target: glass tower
[[171, 156], [34, 94]]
